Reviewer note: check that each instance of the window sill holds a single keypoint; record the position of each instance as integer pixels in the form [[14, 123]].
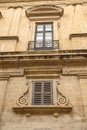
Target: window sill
[[42, 109]]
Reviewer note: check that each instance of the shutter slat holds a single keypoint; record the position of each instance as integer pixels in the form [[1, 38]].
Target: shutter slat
[[47, 98]]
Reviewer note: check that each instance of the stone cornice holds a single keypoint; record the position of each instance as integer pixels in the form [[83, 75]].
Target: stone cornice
[[26, 4], [45, 56], [13, 1], [79, 72], [42, 52], [4, 76], [13, 73], [9, 38], [82, 75]]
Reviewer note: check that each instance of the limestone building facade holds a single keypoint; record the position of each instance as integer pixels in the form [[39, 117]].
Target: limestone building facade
[[43, 64]]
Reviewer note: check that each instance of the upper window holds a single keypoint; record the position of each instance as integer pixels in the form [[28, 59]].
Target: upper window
[[44, 36], [42, 93], [43, 39]]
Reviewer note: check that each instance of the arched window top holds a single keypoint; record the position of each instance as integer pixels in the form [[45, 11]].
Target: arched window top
[[44, 11]]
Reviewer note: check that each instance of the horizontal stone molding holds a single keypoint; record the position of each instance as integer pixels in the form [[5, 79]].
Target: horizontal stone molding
[[42, 72], [51, 109], [9, 38], [13, 73], [4, 77], [42, 128], [44, 58], [82, 76], [60, 1], [44, 18], [43, 76], [80, 73], [15, 7], [77, 35]]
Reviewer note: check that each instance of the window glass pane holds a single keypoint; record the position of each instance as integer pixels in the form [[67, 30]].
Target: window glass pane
[[48, 27], [48, 39], [40, 27], [39, 44], [39, 36], [48, 36], [39, 40]]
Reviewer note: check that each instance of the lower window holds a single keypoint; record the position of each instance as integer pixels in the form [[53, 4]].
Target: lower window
[[42, 93]]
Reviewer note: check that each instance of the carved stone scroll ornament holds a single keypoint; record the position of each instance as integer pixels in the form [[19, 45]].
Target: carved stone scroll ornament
[[61, 100], [23, 100]]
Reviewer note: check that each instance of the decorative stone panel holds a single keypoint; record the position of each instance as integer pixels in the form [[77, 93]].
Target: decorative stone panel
[[23, 106], [8, 43], [44, 11]]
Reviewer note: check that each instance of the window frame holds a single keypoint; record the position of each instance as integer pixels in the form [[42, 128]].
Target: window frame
[[44, 32], [42, 93]]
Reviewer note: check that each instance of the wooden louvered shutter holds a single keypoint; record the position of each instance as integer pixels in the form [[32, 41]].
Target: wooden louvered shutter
[[42, 93], [37, 93], [47, 93]]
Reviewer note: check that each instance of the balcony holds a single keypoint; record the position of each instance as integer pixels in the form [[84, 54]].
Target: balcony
[[49, 45]]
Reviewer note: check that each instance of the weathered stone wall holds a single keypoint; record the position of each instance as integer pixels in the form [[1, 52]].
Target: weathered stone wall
[[74, 87], [72, 80], [15, 23]]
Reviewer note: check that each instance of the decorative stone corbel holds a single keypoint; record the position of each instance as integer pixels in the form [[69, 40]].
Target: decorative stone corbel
[[23, 99], [61, 100]]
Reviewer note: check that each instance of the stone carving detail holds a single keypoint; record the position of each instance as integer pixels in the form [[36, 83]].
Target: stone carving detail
[[61, 100], [54, 10], [24, 107], [23, 100]]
